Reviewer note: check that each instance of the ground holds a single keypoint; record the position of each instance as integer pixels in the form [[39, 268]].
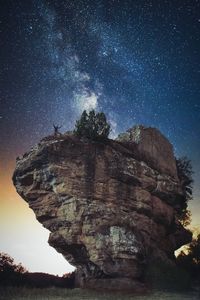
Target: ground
[[77, 294]]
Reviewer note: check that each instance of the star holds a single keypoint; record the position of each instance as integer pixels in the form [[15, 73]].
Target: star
[[137, 61]]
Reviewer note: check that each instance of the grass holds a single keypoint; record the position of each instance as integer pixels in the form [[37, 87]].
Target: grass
[[10, 293]]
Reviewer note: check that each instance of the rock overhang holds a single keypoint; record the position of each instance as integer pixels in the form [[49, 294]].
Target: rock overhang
[[108, 211]]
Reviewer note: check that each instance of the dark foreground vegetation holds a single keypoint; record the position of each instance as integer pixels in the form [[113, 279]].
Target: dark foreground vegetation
[[164, 282], [189, 260], [15, 275], [37, 280]]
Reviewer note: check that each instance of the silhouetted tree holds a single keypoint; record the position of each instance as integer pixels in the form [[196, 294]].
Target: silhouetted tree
[[81, 127], [10, 273], [190, 260], [185, 217], [7, 264], [92, 125], [185, 172]]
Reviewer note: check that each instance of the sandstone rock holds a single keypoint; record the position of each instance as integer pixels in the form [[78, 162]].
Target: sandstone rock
[[108, 212], [152, 147]]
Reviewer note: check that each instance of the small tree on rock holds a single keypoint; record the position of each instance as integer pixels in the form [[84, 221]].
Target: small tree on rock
[[92, 125]]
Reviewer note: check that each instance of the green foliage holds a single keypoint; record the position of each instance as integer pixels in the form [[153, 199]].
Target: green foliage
[[184, 170], [93, 126]]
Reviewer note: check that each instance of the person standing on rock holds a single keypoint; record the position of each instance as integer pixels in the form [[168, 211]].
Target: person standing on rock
[[56, 130]]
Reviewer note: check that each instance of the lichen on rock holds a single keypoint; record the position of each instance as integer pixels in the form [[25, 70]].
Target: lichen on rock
[[110, 206]]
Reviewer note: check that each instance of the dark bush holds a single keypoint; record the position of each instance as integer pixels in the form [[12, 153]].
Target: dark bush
[[165, 276], [190, 260], [12, 274], [184, 170]]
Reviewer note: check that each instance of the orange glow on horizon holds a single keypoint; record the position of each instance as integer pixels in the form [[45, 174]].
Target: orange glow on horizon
[[12, 204], [22, 236]]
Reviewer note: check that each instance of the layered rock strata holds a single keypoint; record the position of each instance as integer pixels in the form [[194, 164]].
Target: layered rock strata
[[110, 206]]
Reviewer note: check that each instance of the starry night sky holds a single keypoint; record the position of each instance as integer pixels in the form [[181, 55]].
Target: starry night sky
[[136, 60]]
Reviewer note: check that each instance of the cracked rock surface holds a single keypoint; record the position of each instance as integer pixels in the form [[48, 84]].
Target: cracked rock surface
[[110, 206]]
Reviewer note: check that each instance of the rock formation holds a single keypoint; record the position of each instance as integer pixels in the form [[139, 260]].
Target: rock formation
[[110, 206]]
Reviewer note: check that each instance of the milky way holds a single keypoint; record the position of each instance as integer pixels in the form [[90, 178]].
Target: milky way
[[138, 61]]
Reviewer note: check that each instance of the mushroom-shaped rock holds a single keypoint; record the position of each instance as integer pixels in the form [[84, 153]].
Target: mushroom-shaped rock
[[109, 211]]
